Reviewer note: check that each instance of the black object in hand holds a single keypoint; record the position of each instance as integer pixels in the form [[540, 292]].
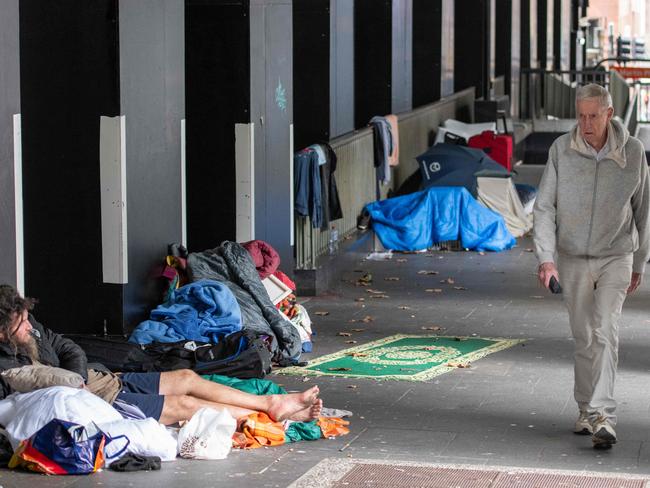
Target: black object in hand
[[554, 285]]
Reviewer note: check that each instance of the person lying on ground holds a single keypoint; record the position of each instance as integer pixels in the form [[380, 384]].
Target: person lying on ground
[[168, 397]]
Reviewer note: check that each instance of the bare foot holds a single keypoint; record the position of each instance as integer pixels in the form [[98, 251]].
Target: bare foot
[[283, 407], [310, 413]]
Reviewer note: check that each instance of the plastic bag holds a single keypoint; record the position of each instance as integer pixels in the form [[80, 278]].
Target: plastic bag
[[208, 435], [23, 414], [61, 447]]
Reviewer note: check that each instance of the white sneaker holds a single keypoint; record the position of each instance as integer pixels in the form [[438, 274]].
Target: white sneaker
[[583, 425], [604, 436]]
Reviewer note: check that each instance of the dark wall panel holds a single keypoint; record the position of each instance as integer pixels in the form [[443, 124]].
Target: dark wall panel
[[311, 71], [503, 35], [525, 34], [217, 96], [427, 36], [69, 78], [472, 46], [9, 105], [542, 33], [372, 59]]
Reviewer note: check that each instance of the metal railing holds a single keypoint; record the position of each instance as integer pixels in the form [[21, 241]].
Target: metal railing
[[355, 172], [643, 101], [355, 180], [544, 93]]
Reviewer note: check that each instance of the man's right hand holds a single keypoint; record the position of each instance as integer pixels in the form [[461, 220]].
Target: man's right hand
[[545, 272]]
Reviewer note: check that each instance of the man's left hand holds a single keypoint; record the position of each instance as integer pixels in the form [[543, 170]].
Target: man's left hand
[[634, 282]]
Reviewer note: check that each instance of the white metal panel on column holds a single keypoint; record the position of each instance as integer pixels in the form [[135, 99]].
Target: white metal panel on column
[[245, 181], [292, 220], [18, 204], [183, 186], [112, 162]]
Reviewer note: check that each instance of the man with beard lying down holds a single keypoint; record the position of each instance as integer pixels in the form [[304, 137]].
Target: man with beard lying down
[[168, 397]]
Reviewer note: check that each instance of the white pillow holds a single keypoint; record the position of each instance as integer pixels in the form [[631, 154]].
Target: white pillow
[[34, 377]]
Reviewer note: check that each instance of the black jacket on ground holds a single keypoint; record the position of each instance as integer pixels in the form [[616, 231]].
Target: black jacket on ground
[[53, 350]]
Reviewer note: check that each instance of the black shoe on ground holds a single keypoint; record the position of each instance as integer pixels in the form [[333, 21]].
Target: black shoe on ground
[[363, 221]]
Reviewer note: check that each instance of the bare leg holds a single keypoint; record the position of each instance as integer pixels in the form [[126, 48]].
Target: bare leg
[[278, 407], [181, 407]]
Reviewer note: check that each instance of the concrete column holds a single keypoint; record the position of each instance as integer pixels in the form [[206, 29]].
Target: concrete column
[[516, 57], [152, 99], [341, 67], [447, 49], [402, 56], [272, 113], [9, 107]]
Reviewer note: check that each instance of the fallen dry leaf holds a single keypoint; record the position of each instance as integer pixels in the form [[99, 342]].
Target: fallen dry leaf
[[391, 278], [376, 292], [402, 260], [425, 272], [367, 319], [404, 307], [339, 369], [357, 354], [352, 387], [358, 330], [379, 296], [321, 313], [360, 299], [350, 342], [459, 288], [344, 334], [481, 253], [528, 249], [433, 290], [459, 365], [537, 296], [449, 281], [433, 327], [365, 280]]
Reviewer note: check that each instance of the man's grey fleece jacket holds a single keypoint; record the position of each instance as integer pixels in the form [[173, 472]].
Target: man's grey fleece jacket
[[590, 208]]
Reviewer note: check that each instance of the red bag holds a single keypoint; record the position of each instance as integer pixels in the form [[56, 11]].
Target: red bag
[[498, 147]]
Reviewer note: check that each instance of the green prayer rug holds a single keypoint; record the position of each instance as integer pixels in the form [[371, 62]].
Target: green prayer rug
[[403, 357]]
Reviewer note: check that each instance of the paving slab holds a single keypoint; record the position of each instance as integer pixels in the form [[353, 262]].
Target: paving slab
[[511, 408]]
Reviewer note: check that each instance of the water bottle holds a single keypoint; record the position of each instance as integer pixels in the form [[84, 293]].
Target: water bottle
[[333, 245]]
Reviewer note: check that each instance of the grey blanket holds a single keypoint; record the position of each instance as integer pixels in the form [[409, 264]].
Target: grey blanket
[[231, 264]]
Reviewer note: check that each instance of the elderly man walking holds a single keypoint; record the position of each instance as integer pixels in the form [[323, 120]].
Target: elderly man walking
[[592, 234]]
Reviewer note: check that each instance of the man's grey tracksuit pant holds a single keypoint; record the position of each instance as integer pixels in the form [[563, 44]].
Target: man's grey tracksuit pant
[[594, 290]]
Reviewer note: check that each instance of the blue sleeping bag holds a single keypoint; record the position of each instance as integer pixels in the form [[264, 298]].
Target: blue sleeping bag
[[203, 311], [419, 220]]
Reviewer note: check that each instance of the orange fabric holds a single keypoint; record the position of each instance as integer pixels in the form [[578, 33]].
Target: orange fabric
[[333, 426], [393, 159], [258, 430]]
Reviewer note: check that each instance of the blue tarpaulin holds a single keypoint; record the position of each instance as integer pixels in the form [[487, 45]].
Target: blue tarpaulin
[[419, 220]]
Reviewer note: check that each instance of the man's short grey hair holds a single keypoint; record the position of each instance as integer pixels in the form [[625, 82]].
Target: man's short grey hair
[[593, 90]]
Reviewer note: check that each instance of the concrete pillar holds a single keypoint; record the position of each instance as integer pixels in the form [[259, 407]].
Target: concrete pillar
[[447, 49], [152, 100], [341, 67], [402, 56], [10, 242], [272, 113]]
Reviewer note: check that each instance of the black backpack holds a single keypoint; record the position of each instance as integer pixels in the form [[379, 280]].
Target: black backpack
[[241, 355]]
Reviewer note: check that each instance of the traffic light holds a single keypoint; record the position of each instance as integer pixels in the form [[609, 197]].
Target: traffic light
[[624, 47], [639, 48]]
